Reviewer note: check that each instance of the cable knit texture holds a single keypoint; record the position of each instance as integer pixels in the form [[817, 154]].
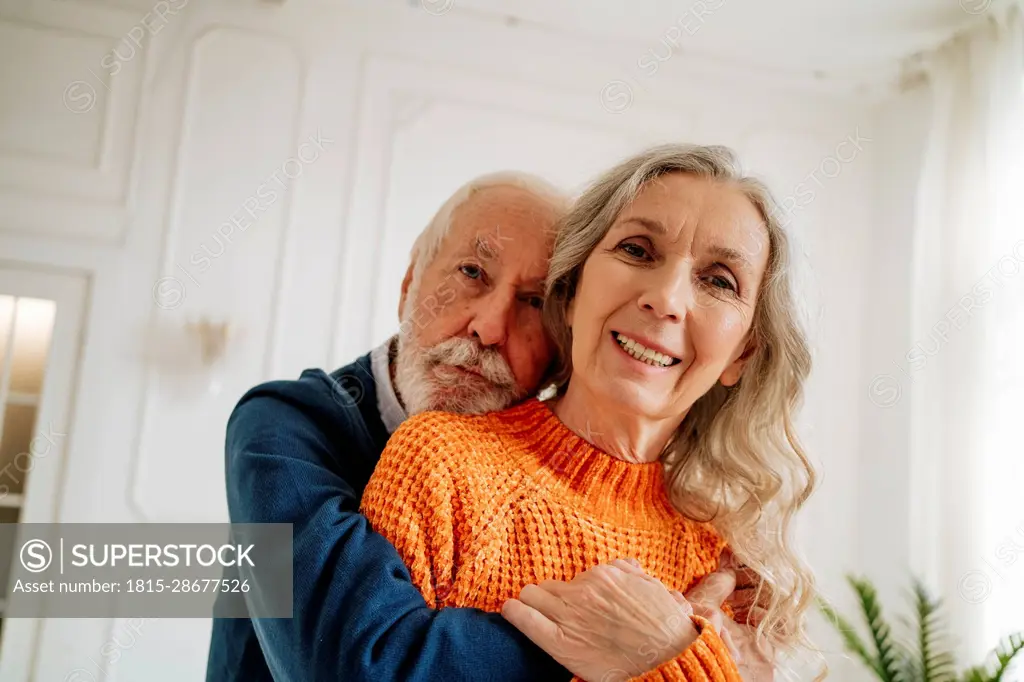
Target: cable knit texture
[[481, 506]]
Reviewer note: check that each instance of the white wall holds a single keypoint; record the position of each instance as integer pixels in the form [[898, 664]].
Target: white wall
[[192, 129], [886, 487]]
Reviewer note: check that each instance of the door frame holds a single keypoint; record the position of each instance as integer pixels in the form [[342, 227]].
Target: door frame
[[44, 485]]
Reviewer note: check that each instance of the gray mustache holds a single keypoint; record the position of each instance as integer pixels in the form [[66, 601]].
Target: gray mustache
[[468, 354]]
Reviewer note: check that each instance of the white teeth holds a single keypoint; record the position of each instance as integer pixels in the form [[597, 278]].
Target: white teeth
[[644, 354]]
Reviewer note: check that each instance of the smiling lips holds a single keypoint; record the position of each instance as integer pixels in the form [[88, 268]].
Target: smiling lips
[[645, 355]]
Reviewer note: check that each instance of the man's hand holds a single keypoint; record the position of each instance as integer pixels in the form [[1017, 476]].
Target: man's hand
[[607, 624]]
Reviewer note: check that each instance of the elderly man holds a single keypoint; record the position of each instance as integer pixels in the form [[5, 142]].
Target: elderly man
[[302, 451]]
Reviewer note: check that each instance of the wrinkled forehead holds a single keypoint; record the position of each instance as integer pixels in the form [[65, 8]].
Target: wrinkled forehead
[[505, 226]]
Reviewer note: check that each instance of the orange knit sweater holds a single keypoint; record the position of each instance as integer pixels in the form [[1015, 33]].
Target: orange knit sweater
[[481, 506]]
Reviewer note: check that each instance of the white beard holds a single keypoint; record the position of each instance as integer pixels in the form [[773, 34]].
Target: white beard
[[427, 379]]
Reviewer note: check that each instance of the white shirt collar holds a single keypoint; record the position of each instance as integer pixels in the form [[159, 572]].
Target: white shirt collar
[[391, 411]]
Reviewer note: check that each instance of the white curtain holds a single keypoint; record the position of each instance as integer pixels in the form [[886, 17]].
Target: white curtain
[[967, 362]]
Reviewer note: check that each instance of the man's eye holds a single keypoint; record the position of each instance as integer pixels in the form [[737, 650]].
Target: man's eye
[[634, 250], [471, 271]]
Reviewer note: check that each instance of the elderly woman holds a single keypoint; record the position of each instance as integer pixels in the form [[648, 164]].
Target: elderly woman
[[669, 439]]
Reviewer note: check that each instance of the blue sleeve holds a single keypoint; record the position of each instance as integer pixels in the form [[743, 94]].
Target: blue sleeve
[[357, 616]]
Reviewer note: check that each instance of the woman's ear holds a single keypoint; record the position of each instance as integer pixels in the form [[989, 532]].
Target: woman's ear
[[732, 373]]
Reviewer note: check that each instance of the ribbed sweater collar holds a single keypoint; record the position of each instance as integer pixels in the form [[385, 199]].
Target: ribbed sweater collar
[[567, 464]]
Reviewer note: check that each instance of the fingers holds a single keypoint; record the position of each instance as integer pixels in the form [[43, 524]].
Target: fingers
[[532, 623], [752, 615], [632, 567], [710, 614], [629, 565], [714, 588], [728, 560], [555, 587], [746, 577], [730, 643], [756, 653], [740, 600], [683, 603], [748, 606], [541, 599], [755, 616]]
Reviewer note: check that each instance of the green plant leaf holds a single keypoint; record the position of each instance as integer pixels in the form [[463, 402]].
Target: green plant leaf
[[936, 662], [892, 658], [976, 674], [1004, 653], [851, 639], [892, 661]]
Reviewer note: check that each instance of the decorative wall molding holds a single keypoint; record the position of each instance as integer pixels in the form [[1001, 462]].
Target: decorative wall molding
[[210, 133], [397, 96], [66, 158]]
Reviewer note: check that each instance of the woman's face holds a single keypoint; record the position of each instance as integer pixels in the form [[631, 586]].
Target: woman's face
[[664, 305]]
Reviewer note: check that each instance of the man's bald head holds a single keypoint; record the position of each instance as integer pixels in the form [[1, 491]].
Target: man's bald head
[[472, 339]]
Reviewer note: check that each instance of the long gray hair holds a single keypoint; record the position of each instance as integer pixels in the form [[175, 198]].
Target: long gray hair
[[735, 460]]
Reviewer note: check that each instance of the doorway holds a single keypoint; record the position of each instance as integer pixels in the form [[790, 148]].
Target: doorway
[[41, 317]]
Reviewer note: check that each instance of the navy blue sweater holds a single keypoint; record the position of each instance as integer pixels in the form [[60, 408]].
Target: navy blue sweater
[[301, 452]]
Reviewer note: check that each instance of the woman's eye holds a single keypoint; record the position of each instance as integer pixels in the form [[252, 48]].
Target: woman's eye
[[634, 250], [471, 271], [720, 282]]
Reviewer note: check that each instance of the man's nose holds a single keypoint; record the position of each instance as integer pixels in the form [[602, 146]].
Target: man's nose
[[669, 293], [491, 318]]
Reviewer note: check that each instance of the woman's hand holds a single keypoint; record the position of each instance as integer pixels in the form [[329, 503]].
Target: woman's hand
[[755, 664], [607, 624], [750, 599]]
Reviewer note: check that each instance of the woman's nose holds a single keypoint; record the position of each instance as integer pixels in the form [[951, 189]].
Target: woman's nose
[[668, 295]]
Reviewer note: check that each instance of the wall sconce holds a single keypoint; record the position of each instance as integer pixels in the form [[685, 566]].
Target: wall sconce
[[190, 354], [212, 337]]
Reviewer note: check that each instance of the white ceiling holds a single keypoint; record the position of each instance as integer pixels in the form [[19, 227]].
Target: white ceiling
[[842, 39]]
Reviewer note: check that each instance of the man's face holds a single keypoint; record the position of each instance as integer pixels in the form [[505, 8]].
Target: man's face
[[471, 338]]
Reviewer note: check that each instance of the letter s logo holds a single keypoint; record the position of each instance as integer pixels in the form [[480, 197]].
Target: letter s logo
[[36, 556]]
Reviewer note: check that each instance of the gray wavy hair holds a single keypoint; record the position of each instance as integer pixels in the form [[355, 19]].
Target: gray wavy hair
[[735, 461]]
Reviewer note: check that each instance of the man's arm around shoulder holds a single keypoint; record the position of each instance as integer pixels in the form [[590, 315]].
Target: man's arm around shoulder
[[298, 452]]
